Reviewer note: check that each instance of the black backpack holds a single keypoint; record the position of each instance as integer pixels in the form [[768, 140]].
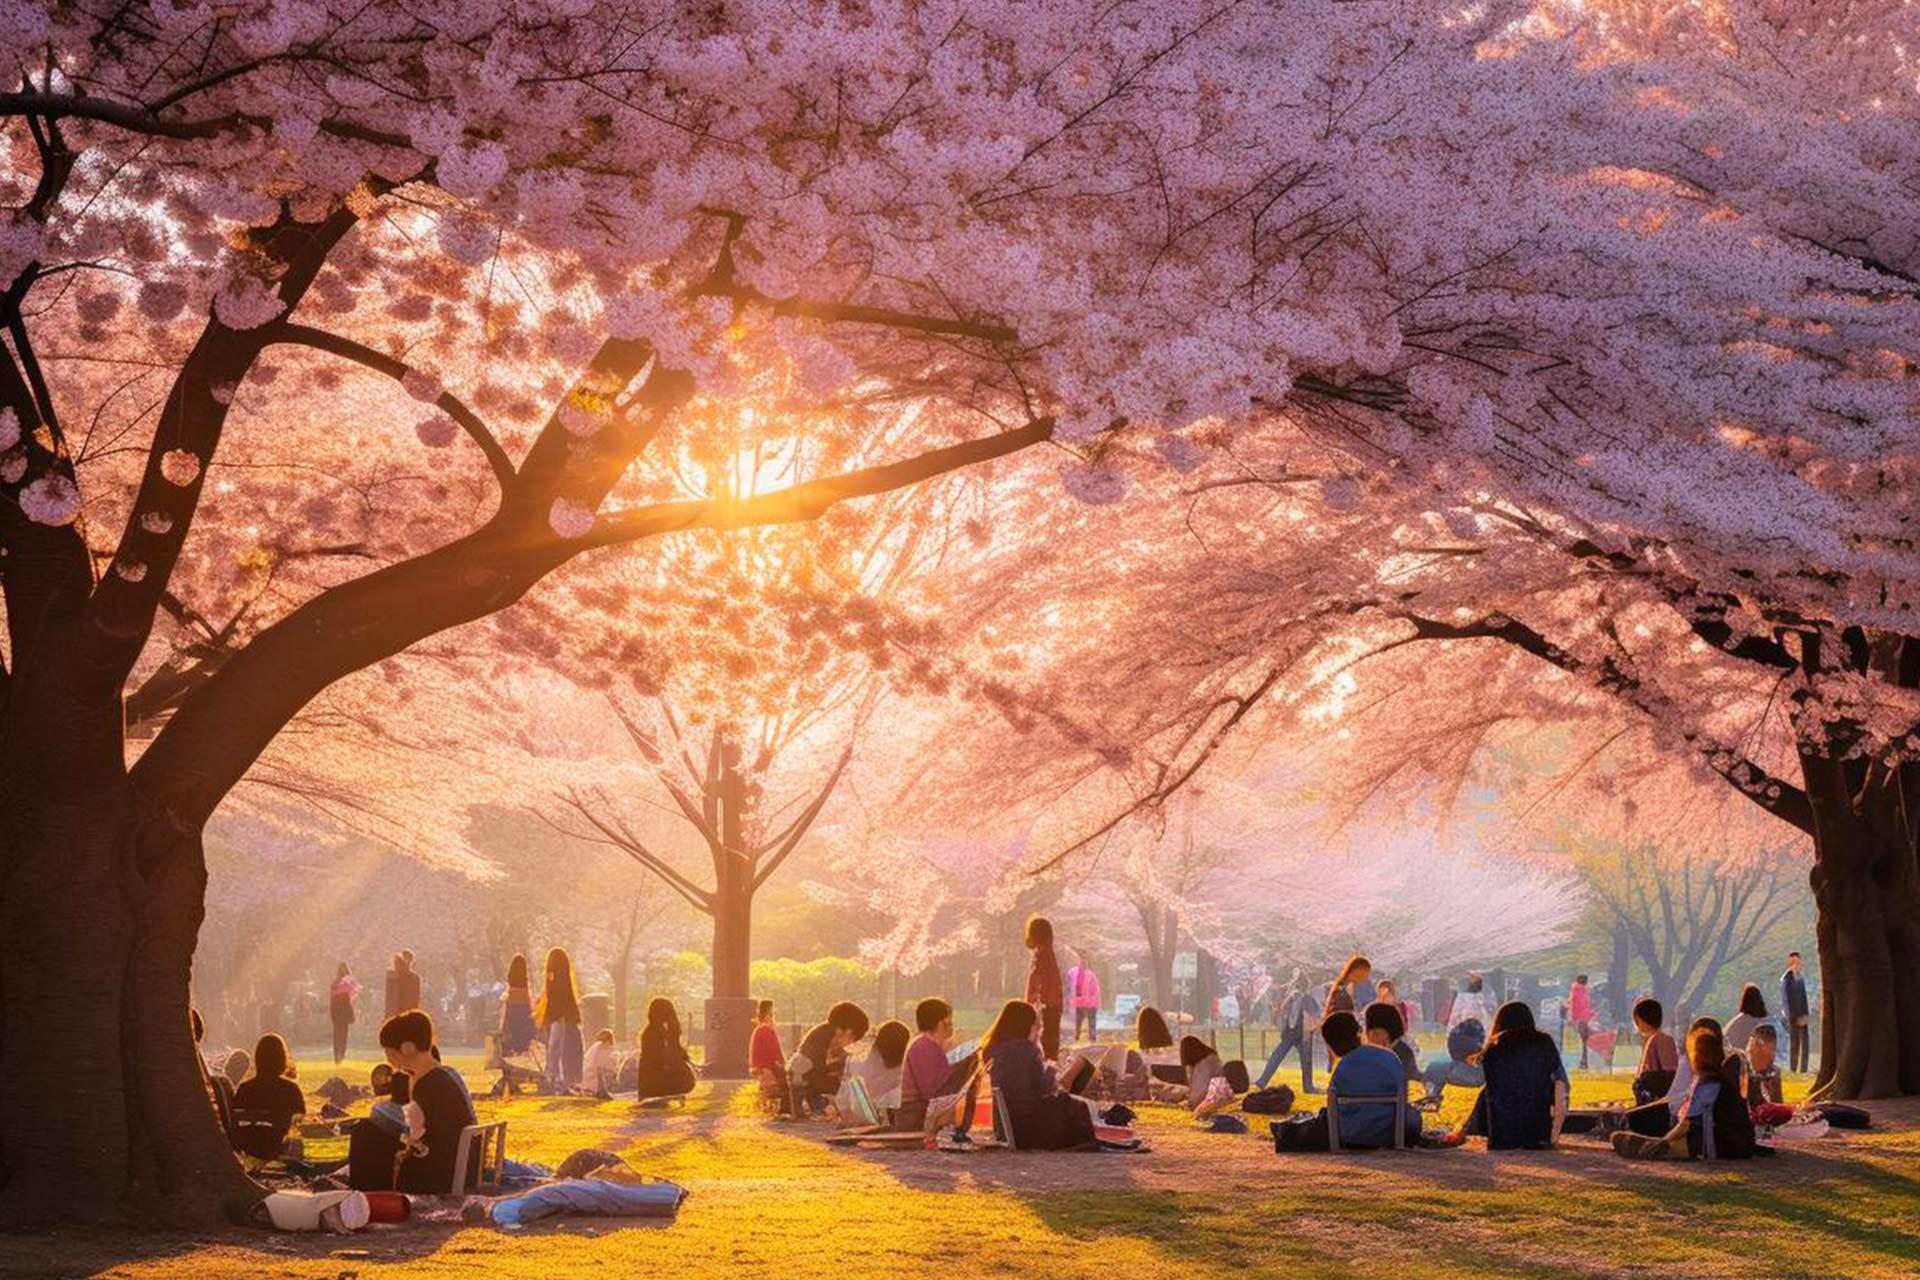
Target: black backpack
[[1277, 1101]]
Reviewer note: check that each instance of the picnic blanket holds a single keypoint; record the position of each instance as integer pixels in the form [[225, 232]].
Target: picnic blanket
[[593, 1197]]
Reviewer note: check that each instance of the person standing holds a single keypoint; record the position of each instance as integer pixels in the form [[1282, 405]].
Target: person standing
[[1580, 1013], [558, 1017], [1293, 1012], [1083, 994], [340, 997], [1044, 991], [403, 985], [1796, 1011]]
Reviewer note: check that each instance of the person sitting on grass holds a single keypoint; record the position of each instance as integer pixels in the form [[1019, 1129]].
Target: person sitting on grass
[[1043, 1116], [926, 1077], [270, 1093], [821, 1059], [378, 1160], [1386, 1028], [1525, 1096], [1712, 1121], [1764, 1096], [1753, 1012], [1655, 1118], [881, 1070], [764, 1057], [597, 1069], [666, 1069], [1465, 1040], [1659, 1056], [1202, 1066], [1361, 1070]]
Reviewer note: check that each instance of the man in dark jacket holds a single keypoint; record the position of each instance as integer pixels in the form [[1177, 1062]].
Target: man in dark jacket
[[1795, 1012]]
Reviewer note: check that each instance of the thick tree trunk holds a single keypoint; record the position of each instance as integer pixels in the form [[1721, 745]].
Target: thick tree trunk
[[1617, 970], [103, 1112], [1868, 894]]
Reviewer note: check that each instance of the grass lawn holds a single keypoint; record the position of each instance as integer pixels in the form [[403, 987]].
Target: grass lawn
[[771, 1199]]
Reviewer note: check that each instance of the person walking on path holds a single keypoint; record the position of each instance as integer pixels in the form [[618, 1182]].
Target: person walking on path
[[1083, 994], [403, 985], [1796, 1011], [1294, 1018], [340, 998], [1044, 988], [1580, 1013], [558, 1016]]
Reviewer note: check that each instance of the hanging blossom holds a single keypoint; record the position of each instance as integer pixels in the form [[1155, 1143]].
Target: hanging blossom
[[570, 519], [246, 303], [180, 466], [1095, 486], [436, 430], [52, 499], [9, 429], [423, 387]]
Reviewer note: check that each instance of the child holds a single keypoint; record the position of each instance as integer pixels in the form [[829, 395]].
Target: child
[[764, 1058], [883, 1068], [1659, 1056], [816, 1066], [1763, 1077], [597, 1068]]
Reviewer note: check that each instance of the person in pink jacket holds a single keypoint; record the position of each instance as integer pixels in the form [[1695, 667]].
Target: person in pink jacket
[[1083, 997], [1580, 1014]]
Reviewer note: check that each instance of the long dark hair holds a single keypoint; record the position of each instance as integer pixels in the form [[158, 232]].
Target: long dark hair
[[1512, 1024], [1194, 1051], [1347, 971], [890, 1042], [270, 1059], [1150, 1029], [1015, 1021], [662, 1014], [1039, 932], [1751, 1003], [559, 998], [517, 970]]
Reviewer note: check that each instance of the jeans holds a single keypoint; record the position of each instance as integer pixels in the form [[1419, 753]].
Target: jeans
[[1092, 1018], [565, 1049], [1797, 1047], [1439, 1075], [1294, 1037]]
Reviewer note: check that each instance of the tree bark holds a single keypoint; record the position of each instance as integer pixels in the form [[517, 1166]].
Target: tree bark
[[1617, 971], [1868, 928]]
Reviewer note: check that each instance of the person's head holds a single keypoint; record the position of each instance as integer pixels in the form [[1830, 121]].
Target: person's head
[[1015, 1021], [662, 1014], [1194, 1051], [1356, 970], [407, 1040], [1793, 961], [1648, 1015], [1475, 982], [603, 1036], [849, 1022], [402, 961], [343, 971], [1580, 980], [559, 968], [1705, 1024], [1039, 932], [1514, 1018], [380, 1079], [1706, 1052], [890, 1042], [1150, 1029], [934, 1016], [1384, 1023], [270, 1058], [1762, 1045], [199, 1025], [1751, 1003], [764, 1011], [406, 953], [1341, 1031], [559, 997], [517, 971], [1386, 990]]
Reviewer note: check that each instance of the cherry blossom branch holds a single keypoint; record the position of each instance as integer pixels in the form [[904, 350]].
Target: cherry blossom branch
[[380, 362], [811, 500], [797, 830], [699, 898]]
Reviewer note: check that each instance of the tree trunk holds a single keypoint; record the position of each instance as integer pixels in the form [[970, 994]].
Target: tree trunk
[[103, 1109], [1617, 970], [1868, 927]]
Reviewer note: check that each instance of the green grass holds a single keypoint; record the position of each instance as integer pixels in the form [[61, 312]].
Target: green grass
[[772, 1199]]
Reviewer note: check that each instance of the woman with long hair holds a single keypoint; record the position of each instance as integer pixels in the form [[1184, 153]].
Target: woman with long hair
[[340, 1011], [267, 1101], [517, 1028], [1045, 990], [1044, 1118], [1753, 1012], [558, 1016], [666, 1069], [1342, 995], [1526, 1091]]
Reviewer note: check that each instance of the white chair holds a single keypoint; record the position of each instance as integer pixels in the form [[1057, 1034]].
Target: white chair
[[1003, 1121], [486, 1143]]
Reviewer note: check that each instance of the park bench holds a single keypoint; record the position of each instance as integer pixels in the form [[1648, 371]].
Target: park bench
[[1398, 1101]]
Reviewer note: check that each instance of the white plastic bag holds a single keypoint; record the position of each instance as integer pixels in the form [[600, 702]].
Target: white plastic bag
[[341, 1212]]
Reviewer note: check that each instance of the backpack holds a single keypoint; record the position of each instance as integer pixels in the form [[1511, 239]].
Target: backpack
[[1277, 1101], [1841, 1115], [1733, 1132]]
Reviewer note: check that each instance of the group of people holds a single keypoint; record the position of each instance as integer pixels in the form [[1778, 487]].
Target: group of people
[[343, 997]]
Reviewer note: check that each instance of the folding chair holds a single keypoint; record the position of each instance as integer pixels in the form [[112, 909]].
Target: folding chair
[[1003, 1122], [486, 1143], [1398, 1101]]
